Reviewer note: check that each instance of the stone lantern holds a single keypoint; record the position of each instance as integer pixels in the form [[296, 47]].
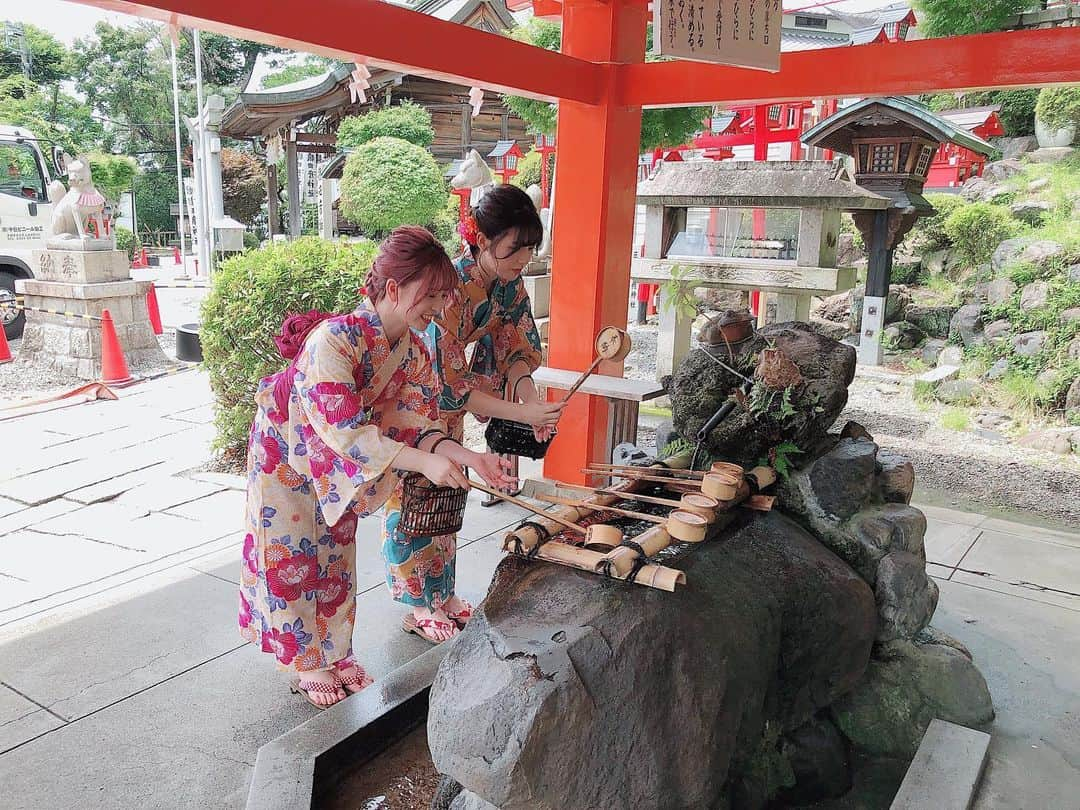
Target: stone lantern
[[892, 142]]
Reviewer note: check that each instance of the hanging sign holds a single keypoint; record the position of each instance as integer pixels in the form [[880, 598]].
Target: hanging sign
[[745, 33]]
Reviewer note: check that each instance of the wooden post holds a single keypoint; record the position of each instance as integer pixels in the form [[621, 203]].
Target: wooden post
[[466, 129], [878, 270], [292, 170], [594, 220], [273, 216]]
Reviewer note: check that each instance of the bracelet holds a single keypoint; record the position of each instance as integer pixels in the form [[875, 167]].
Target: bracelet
[[517, 382], [435, 446]]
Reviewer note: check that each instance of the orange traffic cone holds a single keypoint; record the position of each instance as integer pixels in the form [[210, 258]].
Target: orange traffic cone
[[176, 256], [153, 311], [5, 350], [113, 365]]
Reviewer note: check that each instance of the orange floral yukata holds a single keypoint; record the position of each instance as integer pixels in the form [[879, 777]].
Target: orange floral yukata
[[320, 456], [421, 570]]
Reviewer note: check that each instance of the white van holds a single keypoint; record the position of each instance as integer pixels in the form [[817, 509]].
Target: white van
[[25, 212]]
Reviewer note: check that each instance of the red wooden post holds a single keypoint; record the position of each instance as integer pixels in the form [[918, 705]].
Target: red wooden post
[[593, 223]]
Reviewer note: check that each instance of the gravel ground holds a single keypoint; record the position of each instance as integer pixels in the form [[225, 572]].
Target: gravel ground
[[960, 468], [24, 380]]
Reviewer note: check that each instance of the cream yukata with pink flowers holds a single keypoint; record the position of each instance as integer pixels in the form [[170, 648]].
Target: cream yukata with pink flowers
[[320, 456]]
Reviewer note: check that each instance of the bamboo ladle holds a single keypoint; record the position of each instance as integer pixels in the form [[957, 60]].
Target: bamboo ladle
[[699, 504], [599, 534], [717, 467], [689, 527], [721, 486], [612, 344]]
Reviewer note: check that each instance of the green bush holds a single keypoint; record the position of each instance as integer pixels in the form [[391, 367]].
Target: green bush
[[251, 240], [1059, 107], [127, 242], [929, 232], [389, 182], [445, 226], [407, 121], [1017, 110], [975, 230], [252, 293]]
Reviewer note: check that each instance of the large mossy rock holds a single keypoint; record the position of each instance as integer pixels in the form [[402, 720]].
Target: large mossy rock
[[700, 386], [907, 685], [568, 690]]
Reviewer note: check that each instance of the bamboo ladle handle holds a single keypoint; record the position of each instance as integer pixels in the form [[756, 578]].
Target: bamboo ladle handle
[[600, 508], [581, 380], [527, 506]]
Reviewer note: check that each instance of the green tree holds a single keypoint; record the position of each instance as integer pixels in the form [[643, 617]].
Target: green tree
[[311, 66], [112, 174], [665, 127], [407, 121], [243, 184], [124, 75], [529, 169], [54, 117], [389, 182], [155, 192], [48, 56], [948, 18]]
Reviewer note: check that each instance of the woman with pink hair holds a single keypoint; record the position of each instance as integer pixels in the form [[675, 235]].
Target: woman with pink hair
[[334, 434]]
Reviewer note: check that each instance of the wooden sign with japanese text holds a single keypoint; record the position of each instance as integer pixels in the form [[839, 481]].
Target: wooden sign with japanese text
[[727, 32]]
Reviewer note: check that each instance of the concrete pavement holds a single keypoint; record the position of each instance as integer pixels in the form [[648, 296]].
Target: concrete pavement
[[123, 682]]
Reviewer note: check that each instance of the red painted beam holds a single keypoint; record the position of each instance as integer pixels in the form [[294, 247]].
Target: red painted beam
[[390, 36], [1032, 58], [747, 138]]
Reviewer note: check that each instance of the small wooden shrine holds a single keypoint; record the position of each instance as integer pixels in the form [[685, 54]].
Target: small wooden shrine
[[892, 141]]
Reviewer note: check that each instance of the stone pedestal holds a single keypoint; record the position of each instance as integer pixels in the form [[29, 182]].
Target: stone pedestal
[[84, 283]]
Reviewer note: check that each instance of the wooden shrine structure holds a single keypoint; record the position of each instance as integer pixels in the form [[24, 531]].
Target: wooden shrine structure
[[319, 104]]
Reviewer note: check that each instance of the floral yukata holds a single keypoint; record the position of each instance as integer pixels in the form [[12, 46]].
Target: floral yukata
[[320, 457], [420, 570]]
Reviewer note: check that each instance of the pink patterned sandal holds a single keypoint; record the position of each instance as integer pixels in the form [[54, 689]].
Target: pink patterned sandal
[[303, 687], [423, 628], [351, 675], [462, 616]]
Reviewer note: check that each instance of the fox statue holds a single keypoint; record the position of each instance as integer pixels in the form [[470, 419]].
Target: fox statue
[[75, 207]]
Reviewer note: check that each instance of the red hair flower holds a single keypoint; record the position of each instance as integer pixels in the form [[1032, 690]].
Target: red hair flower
[[295, 329], [468, 229]]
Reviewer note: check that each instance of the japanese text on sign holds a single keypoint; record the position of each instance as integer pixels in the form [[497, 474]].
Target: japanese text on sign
[[742, 32]]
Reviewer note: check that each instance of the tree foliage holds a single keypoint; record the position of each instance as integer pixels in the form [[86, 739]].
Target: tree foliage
[[243, 184], [1017, 111], [155, 192], [948, 18], [53, 116], [529, 169], [665, 127], [112, 174], [48, 56], [389, 182], [407, 121]]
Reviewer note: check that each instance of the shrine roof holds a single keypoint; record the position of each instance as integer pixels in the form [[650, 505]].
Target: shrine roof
[[863, 36], [792, 41], [970, 117], [751, 184], [836, 131]]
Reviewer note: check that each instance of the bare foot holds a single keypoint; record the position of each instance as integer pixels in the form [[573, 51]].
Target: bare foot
[[318, 696], [438, 628]]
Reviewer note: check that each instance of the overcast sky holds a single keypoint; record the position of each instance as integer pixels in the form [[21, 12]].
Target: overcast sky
[[66, 21]]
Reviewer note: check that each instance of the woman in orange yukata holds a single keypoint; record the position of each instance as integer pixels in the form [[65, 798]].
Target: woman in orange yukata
[[490, 311], [334, 433]]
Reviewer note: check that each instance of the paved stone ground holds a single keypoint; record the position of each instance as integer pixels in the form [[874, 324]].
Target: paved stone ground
[[123, 682]]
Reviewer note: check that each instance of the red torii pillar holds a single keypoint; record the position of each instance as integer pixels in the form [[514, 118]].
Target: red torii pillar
[[590, 275]]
